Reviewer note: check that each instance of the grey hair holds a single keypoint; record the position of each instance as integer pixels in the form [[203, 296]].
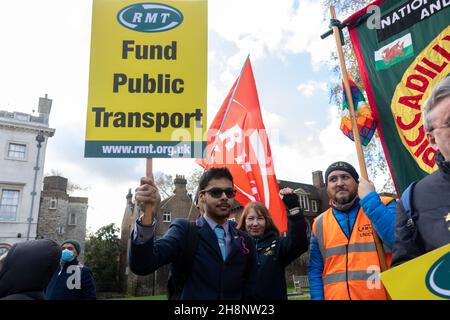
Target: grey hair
[[439, 93]]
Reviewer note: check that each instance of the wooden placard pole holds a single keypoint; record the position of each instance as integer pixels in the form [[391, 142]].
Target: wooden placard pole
[[149, 168], [147, 218], [357, 139]]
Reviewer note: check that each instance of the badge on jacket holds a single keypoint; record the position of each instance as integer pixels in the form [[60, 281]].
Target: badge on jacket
[[270, 250]]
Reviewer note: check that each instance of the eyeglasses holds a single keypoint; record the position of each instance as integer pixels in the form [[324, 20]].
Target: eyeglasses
[[445, 126], [217, 192]]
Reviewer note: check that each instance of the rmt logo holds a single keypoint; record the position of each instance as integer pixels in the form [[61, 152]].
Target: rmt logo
[[150, 17]]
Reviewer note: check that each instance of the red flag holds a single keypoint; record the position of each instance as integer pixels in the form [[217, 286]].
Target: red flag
[[237, 139]]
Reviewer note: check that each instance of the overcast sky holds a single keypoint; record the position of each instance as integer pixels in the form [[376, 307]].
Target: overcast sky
[[45, 50]]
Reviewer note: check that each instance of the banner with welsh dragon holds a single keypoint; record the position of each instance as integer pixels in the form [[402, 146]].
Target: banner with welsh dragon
[[403, 51]]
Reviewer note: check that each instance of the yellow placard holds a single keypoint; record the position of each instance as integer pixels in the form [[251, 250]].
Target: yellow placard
[[148, 77], [424, 278]]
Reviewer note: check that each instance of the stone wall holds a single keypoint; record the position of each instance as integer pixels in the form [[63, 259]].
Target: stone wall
[[77, 206], [52, 221], [55, 221]]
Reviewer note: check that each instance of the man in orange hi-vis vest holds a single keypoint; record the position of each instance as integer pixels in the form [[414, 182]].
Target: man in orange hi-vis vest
[[343, 261]]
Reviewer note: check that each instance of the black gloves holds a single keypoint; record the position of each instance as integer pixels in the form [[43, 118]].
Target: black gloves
[[291, 201]]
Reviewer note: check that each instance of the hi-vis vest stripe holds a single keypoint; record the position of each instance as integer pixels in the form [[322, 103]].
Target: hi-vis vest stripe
[[351, 265], [343, 276], [354, 247]]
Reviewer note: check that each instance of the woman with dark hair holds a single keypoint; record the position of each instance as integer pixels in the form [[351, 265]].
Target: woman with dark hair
[[274, 251]]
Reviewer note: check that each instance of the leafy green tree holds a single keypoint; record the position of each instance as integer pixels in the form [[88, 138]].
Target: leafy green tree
[[102, 256]]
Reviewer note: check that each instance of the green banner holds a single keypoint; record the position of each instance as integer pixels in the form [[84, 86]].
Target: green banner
[[403, 51]]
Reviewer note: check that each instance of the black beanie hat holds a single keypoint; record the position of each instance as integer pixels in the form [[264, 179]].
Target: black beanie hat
[[342, 166], [75, 243]]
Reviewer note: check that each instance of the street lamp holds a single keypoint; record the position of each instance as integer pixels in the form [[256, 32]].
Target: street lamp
[[39, 138]]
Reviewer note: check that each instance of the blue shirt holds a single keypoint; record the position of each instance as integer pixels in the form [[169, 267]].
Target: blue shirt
[[226, 226]]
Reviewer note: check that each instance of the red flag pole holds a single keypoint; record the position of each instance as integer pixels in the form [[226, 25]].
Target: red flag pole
[[223, 121], [248, 163], [226, 111], [357, 139]]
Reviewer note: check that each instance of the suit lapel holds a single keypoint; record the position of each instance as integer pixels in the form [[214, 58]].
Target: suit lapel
[[207, 234], [235, 242]]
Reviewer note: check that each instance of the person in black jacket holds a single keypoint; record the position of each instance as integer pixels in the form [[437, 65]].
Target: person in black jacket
[[430, 205], [72, 280], [274, 252], [26, 269]]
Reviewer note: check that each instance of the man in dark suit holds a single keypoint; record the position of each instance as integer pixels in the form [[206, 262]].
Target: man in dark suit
[[224, 260]]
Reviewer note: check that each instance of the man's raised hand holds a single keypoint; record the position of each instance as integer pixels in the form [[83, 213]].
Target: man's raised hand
[[148, 198]]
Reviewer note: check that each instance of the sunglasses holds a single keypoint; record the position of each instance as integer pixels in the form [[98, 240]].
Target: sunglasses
[[217, 192]]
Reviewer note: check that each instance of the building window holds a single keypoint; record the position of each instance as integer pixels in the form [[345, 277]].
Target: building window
[[304, 202], [9, 203], [21, 116], [52, 204], [72, 219], [17, 150], [60, 230], [314, 205], [167, 216]]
